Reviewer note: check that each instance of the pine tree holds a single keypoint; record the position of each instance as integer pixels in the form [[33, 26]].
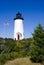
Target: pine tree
[[37, 48]]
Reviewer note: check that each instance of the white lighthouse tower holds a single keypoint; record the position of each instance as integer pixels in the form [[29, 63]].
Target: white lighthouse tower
[[18, 27]]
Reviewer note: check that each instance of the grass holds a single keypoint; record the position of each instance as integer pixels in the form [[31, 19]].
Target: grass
[[21, 61]]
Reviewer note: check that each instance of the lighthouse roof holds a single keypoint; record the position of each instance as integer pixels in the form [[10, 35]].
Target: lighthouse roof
[[18, 16]]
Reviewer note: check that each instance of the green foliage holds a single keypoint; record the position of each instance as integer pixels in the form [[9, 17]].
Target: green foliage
[[12, 49], [37, 48], [2, 59]]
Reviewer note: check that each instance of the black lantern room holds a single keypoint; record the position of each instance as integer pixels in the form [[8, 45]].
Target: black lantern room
[[18, 16]]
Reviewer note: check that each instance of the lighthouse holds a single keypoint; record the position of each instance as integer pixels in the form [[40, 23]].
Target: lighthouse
[[18, 27]]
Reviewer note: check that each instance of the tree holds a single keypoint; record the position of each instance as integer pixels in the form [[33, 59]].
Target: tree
[[37, 48]]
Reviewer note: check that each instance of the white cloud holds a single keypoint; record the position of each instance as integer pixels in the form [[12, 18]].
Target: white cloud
[[6, 24]]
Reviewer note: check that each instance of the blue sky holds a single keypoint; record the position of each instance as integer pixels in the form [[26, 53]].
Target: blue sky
[[32, 12]]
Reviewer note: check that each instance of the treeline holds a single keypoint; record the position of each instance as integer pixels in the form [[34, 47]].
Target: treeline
[[33, 47], [10, 45]]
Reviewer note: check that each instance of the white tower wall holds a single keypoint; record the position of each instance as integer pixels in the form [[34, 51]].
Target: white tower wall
[[18, 28]]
